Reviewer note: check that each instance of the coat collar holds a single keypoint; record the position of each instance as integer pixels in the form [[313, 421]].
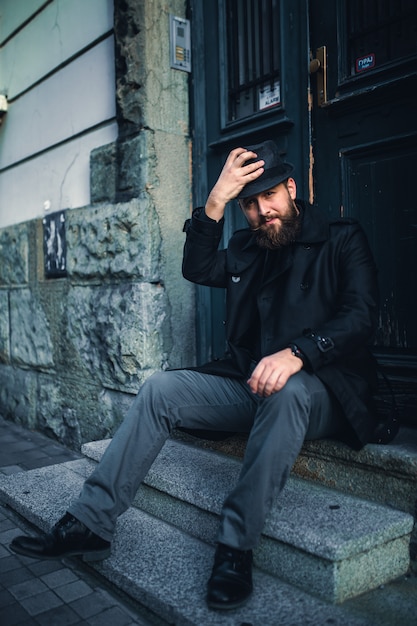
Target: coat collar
[[314, 227]]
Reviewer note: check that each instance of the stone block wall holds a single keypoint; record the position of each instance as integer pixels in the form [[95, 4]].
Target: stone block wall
[[73, 350]]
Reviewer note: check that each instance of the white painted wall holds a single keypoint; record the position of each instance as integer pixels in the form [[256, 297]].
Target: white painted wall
[[57, 69]]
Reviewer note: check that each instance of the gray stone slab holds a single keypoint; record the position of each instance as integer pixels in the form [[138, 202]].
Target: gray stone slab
[[166, 569], [41, 495], [382, 473], [170, 577]]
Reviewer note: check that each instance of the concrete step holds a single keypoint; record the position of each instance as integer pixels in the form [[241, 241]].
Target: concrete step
[[330, 544], [163, 567], [380, 473]]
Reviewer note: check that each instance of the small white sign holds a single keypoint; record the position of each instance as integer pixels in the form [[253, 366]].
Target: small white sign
[[270, 96]]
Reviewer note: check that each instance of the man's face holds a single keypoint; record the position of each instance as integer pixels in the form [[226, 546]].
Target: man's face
[[273, 214]]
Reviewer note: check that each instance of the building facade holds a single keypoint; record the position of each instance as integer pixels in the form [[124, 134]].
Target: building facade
[[117, 124]]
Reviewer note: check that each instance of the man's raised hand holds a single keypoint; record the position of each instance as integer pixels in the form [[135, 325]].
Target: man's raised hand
[[233, 177]]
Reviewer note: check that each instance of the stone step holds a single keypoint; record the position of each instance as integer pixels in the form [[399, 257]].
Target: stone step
[[380, 473], [331, 544], [163, 567]]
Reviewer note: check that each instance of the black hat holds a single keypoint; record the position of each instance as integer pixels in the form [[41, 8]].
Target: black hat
[[276, 170]]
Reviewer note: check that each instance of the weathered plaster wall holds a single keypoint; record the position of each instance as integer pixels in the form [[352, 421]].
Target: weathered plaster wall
[[74, 350], [153, 150]]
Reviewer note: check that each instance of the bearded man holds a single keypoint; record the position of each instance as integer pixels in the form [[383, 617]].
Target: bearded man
[[301, 311]]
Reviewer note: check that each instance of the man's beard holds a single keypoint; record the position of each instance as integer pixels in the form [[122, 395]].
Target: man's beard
[[289, 227]]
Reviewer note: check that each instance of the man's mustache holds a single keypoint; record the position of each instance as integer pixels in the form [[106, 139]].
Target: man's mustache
[[283, 220]]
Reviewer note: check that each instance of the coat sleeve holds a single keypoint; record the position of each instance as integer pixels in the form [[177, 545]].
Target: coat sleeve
[[202, 262], [353, 324]]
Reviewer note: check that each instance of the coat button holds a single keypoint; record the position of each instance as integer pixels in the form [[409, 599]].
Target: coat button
[[304, 286], [306, 246]]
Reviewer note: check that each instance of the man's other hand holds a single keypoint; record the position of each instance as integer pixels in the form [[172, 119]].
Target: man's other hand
[[273, 371]]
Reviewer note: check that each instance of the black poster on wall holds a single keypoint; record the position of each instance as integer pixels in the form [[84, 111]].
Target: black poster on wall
[[54, 245]]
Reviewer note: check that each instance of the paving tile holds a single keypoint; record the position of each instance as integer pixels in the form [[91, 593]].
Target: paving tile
[[27, 561], [93, 604], [7, 437], [74, 590], [7, 535], [10, 563], [39, 568], [7, 453], [14, 615], [61, 577], [22, 446], [56, 450], [3, 552], [9, 459], [6, 524], [37, 453], [28, 588], [15, 577], [41, 602], [29, 464], [38, 439], [110, 617], [60, 616], [6, 598]]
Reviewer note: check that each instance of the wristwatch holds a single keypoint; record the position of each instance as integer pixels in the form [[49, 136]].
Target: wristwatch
[[295, 350]]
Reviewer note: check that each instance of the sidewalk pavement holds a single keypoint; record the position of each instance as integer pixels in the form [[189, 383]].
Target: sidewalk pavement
[[36, 592]]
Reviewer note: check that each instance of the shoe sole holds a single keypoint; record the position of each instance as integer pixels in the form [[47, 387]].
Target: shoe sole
[[88, 557], [96, 556], [227, 607]]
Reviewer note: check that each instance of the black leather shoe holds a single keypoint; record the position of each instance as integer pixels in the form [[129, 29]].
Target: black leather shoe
[[230, 584], [68, 537]]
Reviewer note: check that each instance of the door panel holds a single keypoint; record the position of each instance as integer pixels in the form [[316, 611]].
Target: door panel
[[369, 174], [364, 141]]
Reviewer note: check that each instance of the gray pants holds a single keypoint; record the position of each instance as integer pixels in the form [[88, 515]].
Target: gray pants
[[277, 427]]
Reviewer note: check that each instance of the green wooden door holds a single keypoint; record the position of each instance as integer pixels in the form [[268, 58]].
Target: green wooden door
[[364, 145]]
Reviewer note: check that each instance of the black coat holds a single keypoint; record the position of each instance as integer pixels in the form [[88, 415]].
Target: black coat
[[319, 293]]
